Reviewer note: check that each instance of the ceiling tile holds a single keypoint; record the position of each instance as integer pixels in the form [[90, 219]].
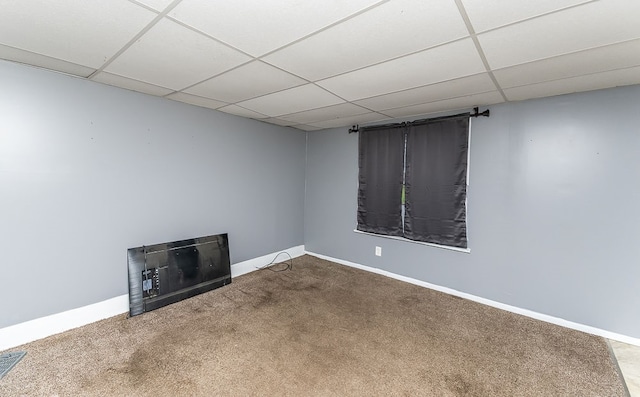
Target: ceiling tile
[[173, 56], [196, 100], [590, 25], [486, 15], [258, 26], [616, 56], [30, 58], [307, 127], [590, 82], [247, 81], [467, 102], [240, 111], [326, 113], [355, 52], [277, 121], [83, 32], [351, 120], [371, 38], [135, 85], [430, 93], [158, 5], [292, 100], [446, 62]]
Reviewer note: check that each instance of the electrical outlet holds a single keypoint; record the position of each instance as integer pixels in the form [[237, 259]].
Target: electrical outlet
[[378, 251]]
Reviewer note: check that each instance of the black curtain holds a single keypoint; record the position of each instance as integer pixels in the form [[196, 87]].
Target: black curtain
[[381, 160], [436, 181]]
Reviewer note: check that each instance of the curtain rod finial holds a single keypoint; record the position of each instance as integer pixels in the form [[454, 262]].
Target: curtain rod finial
[[354, 128]]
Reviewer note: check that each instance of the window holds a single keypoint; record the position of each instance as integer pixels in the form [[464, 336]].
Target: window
[[423, 165]]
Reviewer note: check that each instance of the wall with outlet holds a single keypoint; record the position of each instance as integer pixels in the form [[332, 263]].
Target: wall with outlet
[[553, 210]]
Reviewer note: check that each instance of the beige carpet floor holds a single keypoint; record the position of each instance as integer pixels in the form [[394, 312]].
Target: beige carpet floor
[[322, 329]]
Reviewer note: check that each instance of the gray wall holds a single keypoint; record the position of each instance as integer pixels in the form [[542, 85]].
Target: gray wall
[[553, 206], [88, 170]]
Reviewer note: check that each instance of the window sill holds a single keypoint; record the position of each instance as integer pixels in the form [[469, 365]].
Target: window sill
[[446, 247]]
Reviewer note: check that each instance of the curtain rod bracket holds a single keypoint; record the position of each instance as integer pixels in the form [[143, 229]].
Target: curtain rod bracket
[[476, 113], [354, 128]]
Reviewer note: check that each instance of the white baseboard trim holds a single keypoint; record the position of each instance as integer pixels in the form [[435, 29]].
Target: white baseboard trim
[[254, 264], [513, 309], [29, 331], [42, 327]]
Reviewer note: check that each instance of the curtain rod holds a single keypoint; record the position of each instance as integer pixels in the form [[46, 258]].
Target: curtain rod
[[476, 113]]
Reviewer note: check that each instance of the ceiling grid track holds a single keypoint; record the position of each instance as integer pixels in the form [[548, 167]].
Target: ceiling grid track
[[259, 58], [136, 37], [476, 42]]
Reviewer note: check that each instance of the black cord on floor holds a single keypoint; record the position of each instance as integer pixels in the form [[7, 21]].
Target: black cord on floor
[[270, 265]]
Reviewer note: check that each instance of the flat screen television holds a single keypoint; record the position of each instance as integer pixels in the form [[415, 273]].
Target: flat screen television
[[166, 273]]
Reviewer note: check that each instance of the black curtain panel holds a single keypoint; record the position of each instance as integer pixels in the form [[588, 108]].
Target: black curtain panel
[[436, 181], [381, 162]]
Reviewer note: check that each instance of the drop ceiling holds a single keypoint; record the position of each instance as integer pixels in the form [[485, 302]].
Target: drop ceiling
[[322, 64]]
